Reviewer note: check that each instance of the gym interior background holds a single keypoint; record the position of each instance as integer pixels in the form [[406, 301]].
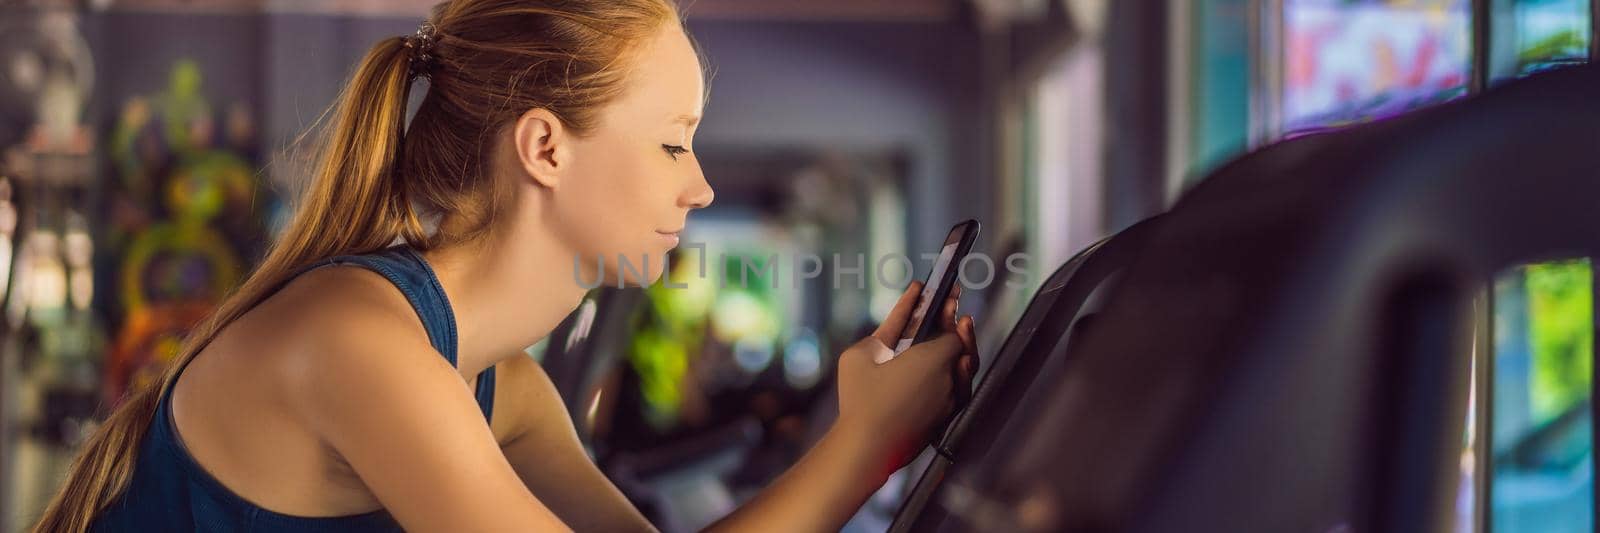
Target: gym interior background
[[147, 160]]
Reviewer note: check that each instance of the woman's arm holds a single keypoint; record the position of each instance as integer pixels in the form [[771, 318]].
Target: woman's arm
[[822, 491], [407, 423], [885, 414], [546, 453]]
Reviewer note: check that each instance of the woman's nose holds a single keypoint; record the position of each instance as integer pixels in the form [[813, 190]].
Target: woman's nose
[[699, 194]]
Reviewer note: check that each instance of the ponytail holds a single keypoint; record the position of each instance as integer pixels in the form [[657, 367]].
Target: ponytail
[[354, 204]]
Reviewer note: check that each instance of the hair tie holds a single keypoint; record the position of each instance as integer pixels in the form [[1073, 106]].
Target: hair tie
[[421, 45]]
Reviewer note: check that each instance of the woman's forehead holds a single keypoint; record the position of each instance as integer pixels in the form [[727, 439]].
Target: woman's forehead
[[666, 82]]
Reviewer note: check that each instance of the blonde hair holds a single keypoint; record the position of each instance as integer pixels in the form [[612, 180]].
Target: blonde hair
[[491, 61]]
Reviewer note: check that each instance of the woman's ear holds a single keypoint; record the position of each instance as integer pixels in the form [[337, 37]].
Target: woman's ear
[[542, 146]]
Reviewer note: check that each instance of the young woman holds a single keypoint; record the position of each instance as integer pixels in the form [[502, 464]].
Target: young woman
[[354, 385]]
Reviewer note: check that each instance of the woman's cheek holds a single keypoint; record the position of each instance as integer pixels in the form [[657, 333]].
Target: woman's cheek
[[627, 206]]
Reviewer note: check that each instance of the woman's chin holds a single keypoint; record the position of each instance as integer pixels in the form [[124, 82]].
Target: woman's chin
[[645, 279], [640, 274]]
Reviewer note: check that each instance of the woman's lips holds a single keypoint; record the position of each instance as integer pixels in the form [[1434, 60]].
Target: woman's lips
[[671, 238]]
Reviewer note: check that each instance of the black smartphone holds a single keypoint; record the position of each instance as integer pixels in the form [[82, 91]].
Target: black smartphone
[[941, 280]]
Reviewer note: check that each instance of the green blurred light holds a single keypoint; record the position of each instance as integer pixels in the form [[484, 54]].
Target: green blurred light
[[1561, 326]]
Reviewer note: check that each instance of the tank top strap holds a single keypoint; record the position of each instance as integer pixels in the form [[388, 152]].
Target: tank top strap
[[405, 269], [411, 274]]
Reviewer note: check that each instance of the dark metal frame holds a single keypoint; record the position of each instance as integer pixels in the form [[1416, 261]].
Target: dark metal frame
[[1483, 377], [1416, 157], [1483, 436], [1265, 41], [1029, 355]]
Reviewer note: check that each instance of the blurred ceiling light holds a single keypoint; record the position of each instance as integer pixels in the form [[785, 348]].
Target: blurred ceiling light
[[738, 315], [753, 354], [48, 290], [802, 360]]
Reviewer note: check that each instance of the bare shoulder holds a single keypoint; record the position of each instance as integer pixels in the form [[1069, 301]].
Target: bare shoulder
[[333, 350], [363, 383], [334, 306], [329, 304], [349, 319], [320, 327]]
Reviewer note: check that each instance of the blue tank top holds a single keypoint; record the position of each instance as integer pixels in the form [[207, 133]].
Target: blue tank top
[[170, 491]]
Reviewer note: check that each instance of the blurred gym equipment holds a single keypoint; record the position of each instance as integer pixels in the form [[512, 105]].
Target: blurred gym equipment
[[1297, 358]]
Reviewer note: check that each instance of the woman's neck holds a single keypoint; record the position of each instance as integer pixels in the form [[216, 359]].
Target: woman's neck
[[507, 290]]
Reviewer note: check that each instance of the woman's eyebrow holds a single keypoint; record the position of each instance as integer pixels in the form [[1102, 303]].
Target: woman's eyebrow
[[687, 119]]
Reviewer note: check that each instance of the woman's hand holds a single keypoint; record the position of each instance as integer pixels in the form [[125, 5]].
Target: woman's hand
[[886, 413], [899, 403]]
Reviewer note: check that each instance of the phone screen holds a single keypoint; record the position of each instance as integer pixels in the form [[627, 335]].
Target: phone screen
[[937, 288], [925, 301]]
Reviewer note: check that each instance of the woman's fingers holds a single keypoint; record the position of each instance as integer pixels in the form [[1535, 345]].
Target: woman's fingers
[[940, 352], [969, 339], [889, 331], [947, 315], [964, 330], [967, 365]]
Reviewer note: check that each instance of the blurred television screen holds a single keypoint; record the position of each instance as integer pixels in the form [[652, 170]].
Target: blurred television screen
[[1348, 62]]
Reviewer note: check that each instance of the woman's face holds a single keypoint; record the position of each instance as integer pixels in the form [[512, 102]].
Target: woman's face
[[629, 185]]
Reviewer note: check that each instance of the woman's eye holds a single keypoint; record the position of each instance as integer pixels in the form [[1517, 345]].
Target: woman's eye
[[674, 151]]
